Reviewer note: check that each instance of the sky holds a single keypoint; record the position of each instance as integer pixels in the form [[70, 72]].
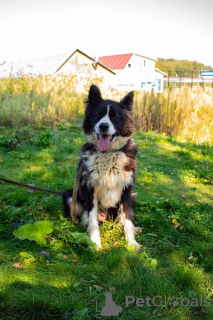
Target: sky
[[180, 29]]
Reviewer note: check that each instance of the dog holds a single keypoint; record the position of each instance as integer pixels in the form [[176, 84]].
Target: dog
[[109, 166]]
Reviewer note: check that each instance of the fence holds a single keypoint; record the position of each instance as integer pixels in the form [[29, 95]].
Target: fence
[[188, 78]]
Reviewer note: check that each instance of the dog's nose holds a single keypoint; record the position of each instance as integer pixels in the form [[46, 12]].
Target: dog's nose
[[104, 126]]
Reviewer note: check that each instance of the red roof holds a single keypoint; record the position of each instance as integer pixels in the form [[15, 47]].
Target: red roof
[[116, 62]]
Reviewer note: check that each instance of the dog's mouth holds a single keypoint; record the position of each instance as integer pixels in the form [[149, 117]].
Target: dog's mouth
[[104, 141]]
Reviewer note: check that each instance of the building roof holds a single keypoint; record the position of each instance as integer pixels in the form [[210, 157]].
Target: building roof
[[116, 62], [160, 71], [42, 66], [94, 62], [48, 65], [149, 58]]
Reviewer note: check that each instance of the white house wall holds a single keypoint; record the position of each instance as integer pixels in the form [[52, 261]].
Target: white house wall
[[77, 63], [145, 68], [138, 70], [82, 66]]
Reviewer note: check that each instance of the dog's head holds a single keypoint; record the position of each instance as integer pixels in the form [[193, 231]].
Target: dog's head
[[108, 124]]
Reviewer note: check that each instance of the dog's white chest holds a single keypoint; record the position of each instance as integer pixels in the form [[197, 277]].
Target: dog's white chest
[[108, 177]]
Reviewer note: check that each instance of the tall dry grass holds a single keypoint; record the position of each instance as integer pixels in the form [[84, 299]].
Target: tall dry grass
[[41, 100], [182, 112]]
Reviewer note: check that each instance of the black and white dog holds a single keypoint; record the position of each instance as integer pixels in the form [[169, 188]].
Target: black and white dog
[[109, 168]]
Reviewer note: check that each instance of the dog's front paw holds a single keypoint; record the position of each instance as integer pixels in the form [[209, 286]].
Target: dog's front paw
[[134, 244], [95, 237], [98, 244]]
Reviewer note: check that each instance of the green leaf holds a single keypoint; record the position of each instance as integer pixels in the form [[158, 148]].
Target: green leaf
[[83, 238], [15, 154], [154, 263], [35, 231], [24, 232], [77, 284], [45, 227], [27, 256], [41, 259], [175, 216]]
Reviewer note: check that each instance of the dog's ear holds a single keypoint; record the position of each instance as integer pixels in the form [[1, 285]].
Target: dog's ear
[[94, 95], [127, 102]]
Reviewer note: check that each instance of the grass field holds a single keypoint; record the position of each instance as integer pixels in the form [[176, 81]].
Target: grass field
[[45, 101], [174, 208]]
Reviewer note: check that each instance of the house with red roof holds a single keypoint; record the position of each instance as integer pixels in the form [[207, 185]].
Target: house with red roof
[[124, 72], [134, 72]]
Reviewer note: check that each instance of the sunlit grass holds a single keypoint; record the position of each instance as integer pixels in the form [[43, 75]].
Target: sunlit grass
[[174, 208]]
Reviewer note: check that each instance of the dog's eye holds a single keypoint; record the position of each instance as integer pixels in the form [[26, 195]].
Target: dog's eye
[[98, 114], [114, 116]]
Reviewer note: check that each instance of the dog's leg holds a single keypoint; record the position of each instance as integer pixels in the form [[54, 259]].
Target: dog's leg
[[67, 202], [93, 229], [85, 219], [129, 232], [126, 219]]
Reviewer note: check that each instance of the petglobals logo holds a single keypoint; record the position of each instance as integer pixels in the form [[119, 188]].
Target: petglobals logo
[[159, 301], [107, 307]]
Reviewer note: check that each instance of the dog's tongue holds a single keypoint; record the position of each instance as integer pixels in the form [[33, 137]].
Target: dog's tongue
[[103, 142]]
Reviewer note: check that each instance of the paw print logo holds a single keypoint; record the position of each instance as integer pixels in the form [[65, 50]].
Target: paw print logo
[[173, 301]]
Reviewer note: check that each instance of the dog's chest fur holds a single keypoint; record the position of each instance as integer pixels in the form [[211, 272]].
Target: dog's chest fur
[[108, 177]]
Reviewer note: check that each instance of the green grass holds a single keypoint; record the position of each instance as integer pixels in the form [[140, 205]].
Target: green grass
[[174, 208]]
